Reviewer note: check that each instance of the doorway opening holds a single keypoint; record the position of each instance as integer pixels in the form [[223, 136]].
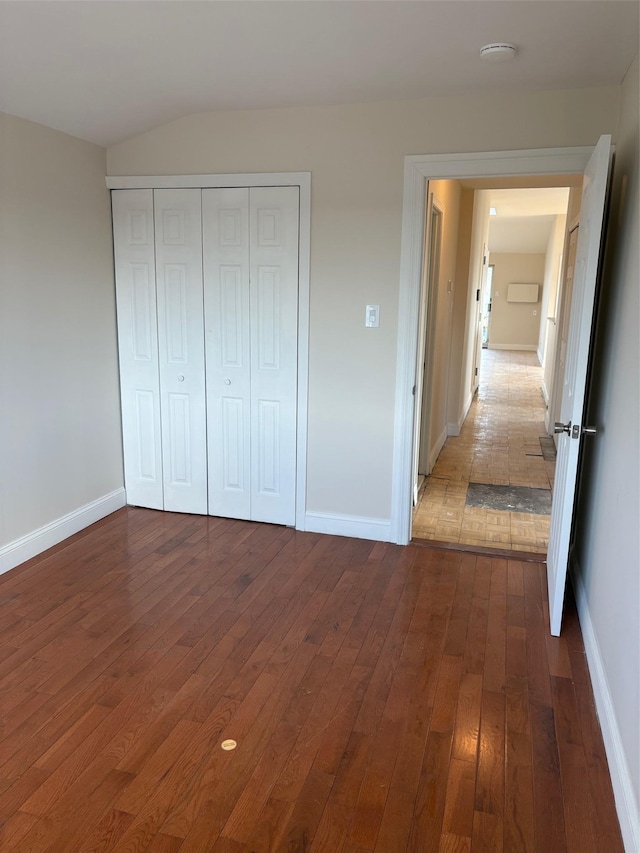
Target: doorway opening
[[590, 167], [487, 483]]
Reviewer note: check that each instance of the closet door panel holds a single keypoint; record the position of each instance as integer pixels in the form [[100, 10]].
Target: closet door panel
[[133, 233], [178, 222], [225, 215], [274, 226]]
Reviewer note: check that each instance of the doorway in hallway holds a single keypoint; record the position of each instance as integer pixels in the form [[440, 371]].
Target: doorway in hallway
[[491, 485]]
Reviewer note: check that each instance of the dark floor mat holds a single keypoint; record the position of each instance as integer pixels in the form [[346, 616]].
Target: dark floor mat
[[509, 498]]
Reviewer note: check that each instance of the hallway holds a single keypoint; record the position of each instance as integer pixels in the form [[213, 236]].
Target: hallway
[[491, 485]]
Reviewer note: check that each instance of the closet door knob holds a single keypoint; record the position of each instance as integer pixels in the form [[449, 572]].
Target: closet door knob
[[227, 382], [181, 378]]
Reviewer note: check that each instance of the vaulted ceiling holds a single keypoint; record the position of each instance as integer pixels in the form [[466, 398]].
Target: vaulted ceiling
[[104, 71]]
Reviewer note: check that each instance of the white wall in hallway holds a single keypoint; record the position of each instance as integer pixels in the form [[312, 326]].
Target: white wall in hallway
[[549, 309], [456, 410], [515, 324]]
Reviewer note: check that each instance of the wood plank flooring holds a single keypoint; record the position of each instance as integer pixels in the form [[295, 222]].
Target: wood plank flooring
[[382, 698]]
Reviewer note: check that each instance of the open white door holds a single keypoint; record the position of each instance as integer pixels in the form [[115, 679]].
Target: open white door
[[596, 179], [475, 378], [418, 386]]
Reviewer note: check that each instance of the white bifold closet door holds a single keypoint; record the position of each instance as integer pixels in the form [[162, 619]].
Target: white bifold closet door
[[134, 253], [178, 218], [158, 258], [250, 249]]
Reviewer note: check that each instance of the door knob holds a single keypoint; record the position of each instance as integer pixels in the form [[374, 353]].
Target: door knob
[[227, 382], [181, 378], [560, 427]]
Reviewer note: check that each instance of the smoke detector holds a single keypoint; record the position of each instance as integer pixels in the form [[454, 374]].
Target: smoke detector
[[498, 51]]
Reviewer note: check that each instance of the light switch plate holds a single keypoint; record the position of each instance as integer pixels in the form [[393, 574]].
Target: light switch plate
[[372, 316]]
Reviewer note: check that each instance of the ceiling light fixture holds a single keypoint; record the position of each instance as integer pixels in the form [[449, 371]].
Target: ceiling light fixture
[[498, 51]]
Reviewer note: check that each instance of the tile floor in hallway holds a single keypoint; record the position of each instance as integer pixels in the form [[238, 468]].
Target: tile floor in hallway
[[499, 444]]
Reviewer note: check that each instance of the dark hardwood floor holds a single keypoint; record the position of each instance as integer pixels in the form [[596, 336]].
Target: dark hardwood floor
[[382, 698]]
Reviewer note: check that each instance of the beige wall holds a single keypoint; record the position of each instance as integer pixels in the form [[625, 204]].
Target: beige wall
[[356, 156], [515, 324], [607, 544], [60, 424], [457, 393]]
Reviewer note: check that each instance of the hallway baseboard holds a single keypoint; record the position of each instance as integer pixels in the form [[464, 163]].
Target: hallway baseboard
[[545, 393], [454, 428], [515, 347], [435, 451]]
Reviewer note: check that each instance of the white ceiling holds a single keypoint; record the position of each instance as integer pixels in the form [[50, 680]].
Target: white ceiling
[[524, 218], [104, 71], [528, 202]]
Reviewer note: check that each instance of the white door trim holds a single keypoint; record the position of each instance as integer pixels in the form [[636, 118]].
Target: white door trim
[[418, 169], [265, 179], [243, 179]]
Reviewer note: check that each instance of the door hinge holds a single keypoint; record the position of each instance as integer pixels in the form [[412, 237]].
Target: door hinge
[[478, 295], [489, 308], [476, 373], [413, 390]]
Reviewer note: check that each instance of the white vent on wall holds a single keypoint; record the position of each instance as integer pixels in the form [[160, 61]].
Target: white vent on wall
[[523, 292]]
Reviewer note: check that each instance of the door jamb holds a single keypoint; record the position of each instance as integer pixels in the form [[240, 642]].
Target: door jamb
[[418, 170], [431, 295], [302, 180]]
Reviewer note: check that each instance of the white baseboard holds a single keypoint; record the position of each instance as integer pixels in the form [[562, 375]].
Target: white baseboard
[[435, 452], [378, 529], [39, 540], [519, 347], [454, 428], [623, 790]]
